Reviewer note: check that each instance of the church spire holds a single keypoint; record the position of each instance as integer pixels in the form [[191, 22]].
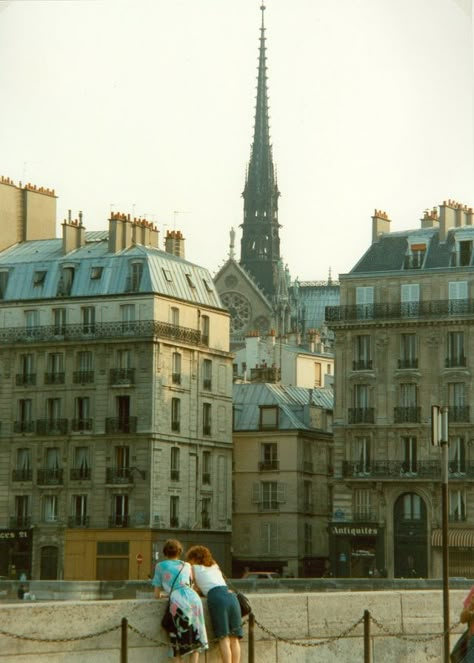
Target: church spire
[[260, 245]]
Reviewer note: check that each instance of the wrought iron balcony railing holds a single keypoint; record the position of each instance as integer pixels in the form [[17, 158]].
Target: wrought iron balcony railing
[[78, 521], [22, 475], [20, 521], [456, 361], [24, 426], [103, 330], [457, 517], [118, 475], [54, 377], [50, 477], [458, 413], [78, 425], [25, 379], [83, 377], [361, 415], [118, 520], [410, 414], [80, 473], [385, 311], [121, 425], [122, 376], [268, 465], [52, 426], [401, 469], [411, 362], [362, 365]]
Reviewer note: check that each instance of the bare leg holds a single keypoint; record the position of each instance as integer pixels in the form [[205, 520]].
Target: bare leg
[[235, 649], [224, 648], [194, 657]]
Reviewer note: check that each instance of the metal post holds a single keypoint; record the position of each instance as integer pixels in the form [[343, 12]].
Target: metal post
[[251, 656], [123, 641], [367, 650], [445, 511]]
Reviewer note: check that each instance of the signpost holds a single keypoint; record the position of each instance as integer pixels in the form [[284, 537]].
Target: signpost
[[139, 559]]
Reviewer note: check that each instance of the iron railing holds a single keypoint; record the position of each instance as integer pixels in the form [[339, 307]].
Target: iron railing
[[25, 379], [55, 377], [52, 426], [81, 425], [122, 376], [24, 426], [118, 475], [361, 415], [78, 521], [80, 473], [458, 413], [22, 475], [50, 477], [410, 414], [398, 311], [121, 424], [401, 469], [268, 465], [83, 377]]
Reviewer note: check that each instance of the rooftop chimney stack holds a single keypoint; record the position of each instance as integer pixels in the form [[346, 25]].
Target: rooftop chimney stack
[[174, 243], [380, 225]]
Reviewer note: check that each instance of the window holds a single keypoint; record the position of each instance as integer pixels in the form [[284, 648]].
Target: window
[[31, 322], [268, 417], [206, 512], [269, 456], [457, 455], [39, 278], [408, 410], [409, 455], [307, 456], [361, 412], [25, 416], [79, 511], [119, 511], [458, 410], [88, 319], [122, 461], [205, 329], [65, 281], [81, 468], [167, 275], [410, 299], [127, 313], [135, 277], [307, 496], [50, 508], [174, 511], [362, 504], [23, 465], [206, 419], [415, 256], [174, 316], [176, 414], [465, 253], [190, 281], [55, 372], [59, 321], [269, 495], [457, 505], [96, 273], [269, 539], [317, 374], [206, 467], [411, 507], [3, 283], [82, 413], [22, 511], [362, 355], [408, 351], [365, 302], [125, 422], [53, 411], [207, 285], [175, 454], [455, 348], [84, 373], [308, 539], [176, 368], [362, 456], [207, 374]]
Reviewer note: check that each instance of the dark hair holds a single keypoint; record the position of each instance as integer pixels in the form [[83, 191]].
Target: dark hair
[[200, 555], [172, 548]]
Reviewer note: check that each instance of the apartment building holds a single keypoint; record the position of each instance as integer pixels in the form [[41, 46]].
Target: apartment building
[[115, 396], [282, 459], [404, 342]]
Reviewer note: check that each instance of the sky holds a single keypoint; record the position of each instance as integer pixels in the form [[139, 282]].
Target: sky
[[147, 107]]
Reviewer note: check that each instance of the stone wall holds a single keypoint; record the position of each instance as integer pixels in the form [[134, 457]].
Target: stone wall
[[287, 615]]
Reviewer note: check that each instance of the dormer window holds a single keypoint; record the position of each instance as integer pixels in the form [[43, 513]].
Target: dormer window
[[268, 417], [207, 285], [135, 277], [415, 256], [190, 281], [96, 273], [65, 281], [167, 275], [3, 283], [39, 278], [465, 253]]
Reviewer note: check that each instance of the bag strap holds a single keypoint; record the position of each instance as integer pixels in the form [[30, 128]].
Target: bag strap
[[174, 582]]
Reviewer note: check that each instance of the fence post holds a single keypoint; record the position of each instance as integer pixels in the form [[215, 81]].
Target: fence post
[[124, 641], [367, 652], [251, 656]]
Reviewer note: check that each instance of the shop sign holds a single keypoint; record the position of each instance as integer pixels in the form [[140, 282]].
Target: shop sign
[[358, 530], [11, 534]]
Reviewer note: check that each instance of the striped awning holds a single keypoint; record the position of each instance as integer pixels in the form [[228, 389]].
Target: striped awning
[[457, 538]]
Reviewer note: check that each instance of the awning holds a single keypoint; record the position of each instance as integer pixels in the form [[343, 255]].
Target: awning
[[457, 538]]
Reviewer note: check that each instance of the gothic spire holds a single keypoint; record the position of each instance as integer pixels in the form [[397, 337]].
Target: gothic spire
[[260, 246]]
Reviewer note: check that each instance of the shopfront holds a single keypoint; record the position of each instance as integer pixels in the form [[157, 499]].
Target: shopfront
[[356, 550], [15, 553]]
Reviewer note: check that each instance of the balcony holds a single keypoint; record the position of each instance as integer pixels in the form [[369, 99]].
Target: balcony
[[361, 415], [121, 376], [80, 473], [24, 426], [103, 331], [22, 475], [458, 413], [408, 363], [52, 426], [81, 425], [425, 310], [118, 520], [20, 521], [83, 377], [362, 365], [268, 465], [118, 475], [54, 378], [174, 521], [25, 379], [50, 477], [457, 361], [121, 425], [411, 414], [393, 469], [78, 521]]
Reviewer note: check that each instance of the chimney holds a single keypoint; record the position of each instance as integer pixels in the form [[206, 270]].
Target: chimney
[[447, 218], [430, 218], [380, 225], [74, 234], [120, 232], [174, 243]]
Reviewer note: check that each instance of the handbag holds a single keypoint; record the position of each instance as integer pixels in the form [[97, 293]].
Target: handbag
[[167, 621], [245, 607], [459, 651]]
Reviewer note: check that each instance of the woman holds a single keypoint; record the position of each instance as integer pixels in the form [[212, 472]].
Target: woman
[[223, 605], [173, 577], [467, 617]]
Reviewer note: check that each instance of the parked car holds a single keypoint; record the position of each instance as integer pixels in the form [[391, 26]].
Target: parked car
[[262, 575]]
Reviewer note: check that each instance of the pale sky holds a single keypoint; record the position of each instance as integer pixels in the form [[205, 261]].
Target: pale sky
[[148, 105]]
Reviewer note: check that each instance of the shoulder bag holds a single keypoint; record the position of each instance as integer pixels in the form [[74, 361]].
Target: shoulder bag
[[245, 607], [459, 651], [167, 621]]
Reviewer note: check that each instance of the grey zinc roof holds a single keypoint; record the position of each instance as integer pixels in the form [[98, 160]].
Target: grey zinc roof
[[292, 402], [25, 259], [314, 299]]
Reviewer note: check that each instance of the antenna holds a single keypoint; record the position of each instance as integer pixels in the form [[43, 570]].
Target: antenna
[[175, 213]]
